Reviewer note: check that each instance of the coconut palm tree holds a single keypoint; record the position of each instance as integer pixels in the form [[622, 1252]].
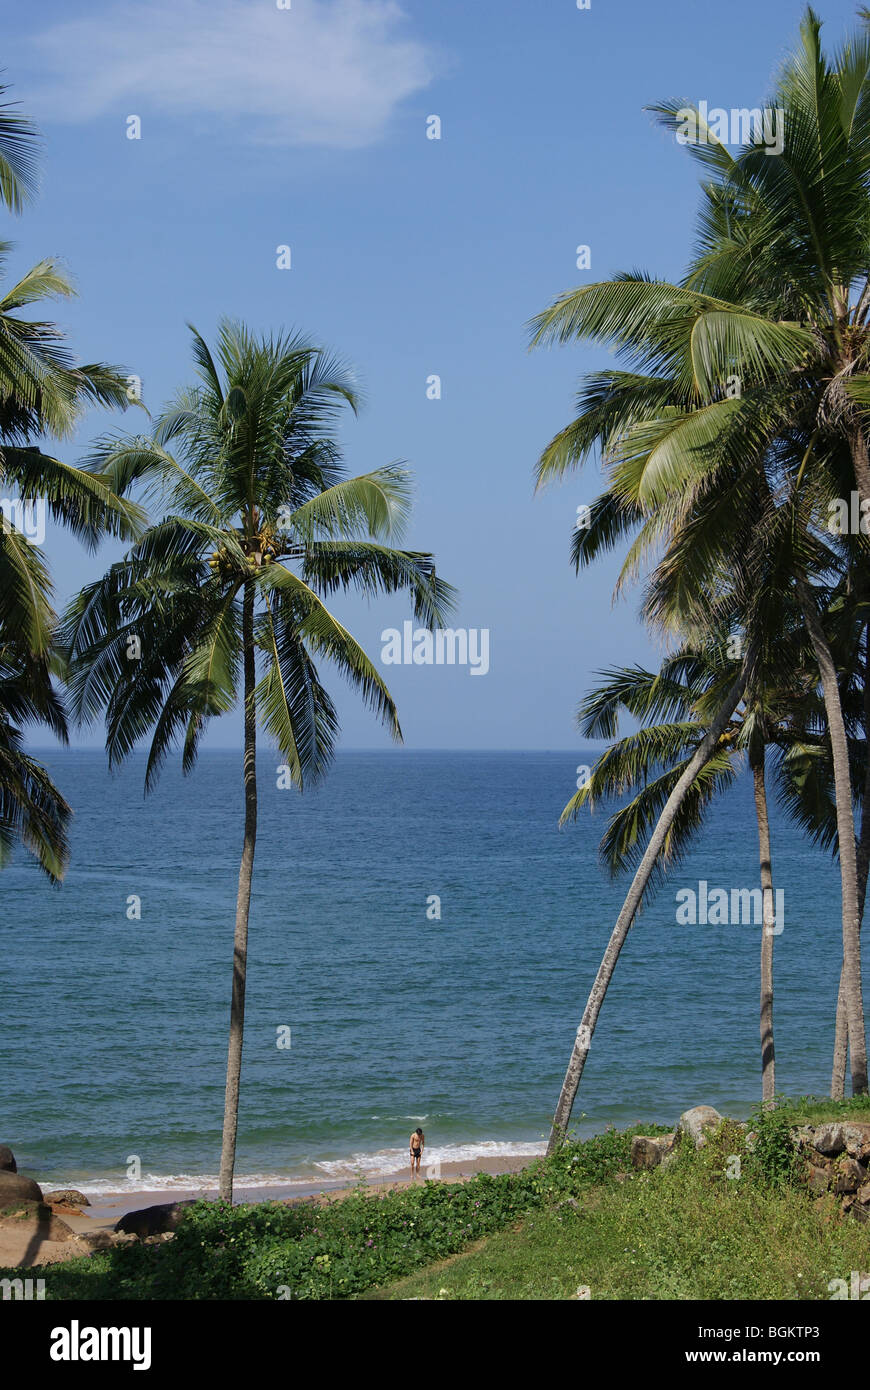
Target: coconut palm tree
[[43, 393], [225, 597], [732, 534], [671, 707], [704, 751], [813, 807], [790, 231], [759, 354]]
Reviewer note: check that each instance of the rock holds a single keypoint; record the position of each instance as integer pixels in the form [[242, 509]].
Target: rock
[[104, 1239], [36, 1219], [57, 1229], [829, 1139], [850, 1175], [819, 1161], [650, 1150], [66, 1197], [25, 1209], [857, 1139], [15, 1187], [818, 1179], [864, 1194], [7, 1160], [97, 1240], [696, 1122], [153, 1221], [646, 1151]]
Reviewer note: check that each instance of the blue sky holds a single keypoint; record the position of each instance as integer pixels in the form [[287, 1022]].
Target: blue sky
[[306, 127]]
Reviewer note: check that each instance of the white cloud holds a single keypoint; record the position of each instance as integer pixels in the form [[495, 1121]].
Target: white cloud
[[325, 72]]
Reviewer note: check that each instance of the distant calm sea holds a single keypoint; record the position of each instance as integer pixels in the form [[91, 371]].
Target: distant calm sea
[[113, 1037]]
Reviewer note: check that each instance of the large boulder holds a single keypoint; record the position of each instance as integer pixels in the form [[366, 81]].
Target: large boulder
[[829, 1140], [696, 1123], [153, 1221], [850, 1176], [37, 1219], [857, 1139], [69, 1197], [15, 1187], [7, 1160]]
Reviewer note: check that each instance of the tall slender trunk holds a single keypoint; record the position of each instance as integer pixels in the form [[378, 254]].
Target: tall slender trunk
[[841, 1033], [768, 925], [243, 905], [841, 1042], [846, 838], [583, 1039]]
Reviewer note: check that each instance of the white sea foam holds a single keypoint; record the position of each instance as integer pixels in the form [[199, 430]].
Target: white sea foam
[[387, 1161]]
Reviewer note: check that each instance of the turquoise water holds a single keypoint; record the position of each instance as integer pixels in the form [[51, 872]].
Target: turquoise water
[[114, 1031]]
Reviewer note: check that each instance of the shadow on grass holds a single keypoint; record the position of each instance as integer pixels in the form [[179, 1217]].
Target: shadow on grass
[[159, 1272]]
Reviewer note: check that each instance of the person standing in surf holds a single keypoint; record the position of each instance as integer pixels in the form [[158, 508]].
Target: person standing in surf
[[417, 1144]]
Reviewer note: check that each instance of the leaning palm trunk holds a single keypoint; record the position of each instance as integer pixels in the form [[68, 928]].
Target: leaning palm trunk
[[243, 904], [841, 1034], [841, 1042], [583, 1040], [768, 1054], [851, 973]]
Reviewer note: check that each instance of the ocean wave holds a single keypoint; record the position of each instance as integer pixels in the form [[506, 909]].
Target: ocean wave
[[387, 1161]]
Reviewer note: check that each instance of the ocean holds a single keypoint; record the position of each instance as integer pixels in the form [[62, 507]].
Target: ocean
[[113, 1044]]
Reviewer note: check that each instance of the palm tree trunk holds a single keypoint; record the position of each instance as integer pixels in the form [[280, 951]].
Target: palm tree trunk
[[860, 462], [243, 904], [768, 1053], [583, 1040], [841, 1033], [846, 837], [841, 1042]]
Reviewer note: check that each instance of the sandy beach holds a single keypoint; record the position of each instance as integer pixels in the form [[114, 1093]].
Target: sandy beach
[[21, 1248]]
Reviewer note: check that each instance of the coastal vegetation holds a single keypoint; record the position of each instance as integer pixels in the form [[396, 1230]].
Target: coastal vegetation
[[733, 435], [225, 597], [729, 437], [581, 1223], [669, 707], [43, 394]]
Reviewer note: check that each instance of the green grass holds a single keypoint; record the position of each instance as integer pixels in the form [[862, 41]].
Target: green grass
[[707, 1227], [688, 1231], [684, 1233], [814, 1110]]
